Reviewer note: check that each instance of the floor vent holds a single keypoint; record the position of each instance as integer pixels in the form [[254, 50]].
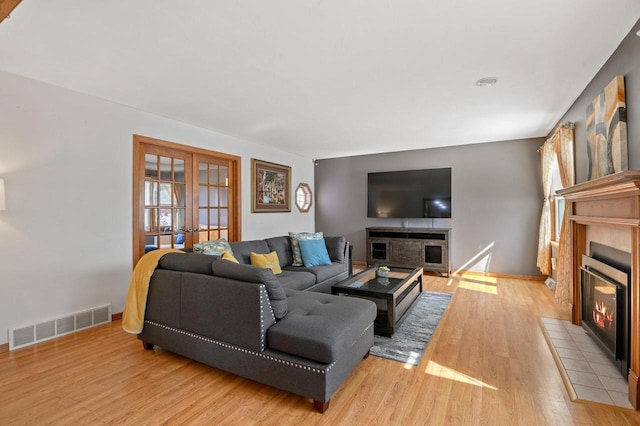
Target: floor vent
[[28, 335]]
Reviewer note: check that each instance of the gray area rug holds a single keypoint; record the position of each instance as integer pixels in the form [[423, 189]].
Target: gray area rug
[[414, 334]]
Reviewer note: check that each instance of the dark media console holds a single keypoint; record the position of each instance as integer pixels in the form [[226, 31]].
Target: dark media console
[[428, 248]]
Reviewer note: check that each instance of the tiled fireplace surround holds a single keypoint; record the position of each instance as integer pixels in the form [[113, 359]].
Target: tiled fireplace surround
[[607, 210]]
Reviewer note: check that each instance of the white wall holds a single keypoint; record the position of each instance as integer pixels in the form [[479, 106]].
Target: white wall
[[65, 238]]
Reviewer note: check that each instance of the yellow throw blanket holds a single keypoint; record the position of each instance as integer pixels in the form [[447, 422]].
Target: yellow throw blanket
[[133, 315]]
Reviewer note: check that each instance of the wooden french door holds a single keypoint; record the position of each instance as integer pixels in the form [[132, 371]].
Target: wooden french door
[[182, 195]]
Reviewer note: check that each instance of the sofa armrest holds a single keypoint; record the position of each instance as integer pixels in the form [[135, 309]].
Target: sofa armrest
[[234, 312]]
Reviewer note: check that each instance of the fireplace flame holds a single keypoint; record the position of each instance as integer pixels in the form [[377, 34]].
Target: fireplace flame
[[603, 315]]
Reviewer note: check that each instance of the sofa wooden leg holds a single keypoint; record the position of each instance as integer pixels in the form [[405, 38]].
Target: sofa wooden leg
[[320, 407], [147, 346], [366, 355]]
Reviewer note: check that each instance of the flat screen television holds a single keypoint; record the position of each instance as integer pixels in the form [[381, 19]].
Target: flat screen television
[[410, 194]]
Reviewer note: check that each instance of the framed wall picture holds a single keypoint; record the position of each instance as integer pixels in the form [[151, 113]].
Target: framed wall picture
[[270, 187]]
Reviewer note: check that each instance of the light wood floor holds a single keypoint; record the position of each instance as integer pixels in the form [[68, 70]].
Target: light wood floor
[[487, 364]]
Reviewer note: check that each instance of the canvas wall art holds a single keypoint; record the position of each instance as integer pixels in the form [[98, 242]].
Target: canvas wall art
[[607, 131]]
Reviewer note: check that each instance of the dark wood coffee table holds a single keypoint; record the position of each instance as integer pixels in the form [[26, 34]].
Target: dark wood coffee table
[[393, 295]]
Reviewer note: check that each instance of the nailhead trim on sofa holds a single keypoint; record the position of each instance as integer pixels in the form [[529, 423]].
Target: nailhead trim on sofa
[[264, 296], [244, 350]]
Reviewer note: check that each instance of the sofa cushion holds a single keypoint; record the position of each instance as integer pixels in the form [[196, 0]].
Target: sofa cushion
[[242, 249], [336, 246], [282, 246], [321, 273], [295, 247], [314, 253], [321, 327], [296, 278], [269, 261], [253, 274], [188, 262]]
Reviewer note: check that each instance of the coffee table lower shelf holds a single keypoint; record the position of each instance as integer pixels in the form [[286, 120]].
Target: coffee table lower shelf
[[393, 296]]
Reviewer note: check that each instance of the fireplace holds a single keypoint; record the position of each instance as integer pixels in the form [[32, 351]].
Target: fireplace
[[604, 281], [606, 210]]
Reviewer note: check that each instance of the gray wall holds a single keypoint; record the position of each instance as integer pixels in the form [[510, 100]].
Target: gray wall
[[496, 201], [624, 61]]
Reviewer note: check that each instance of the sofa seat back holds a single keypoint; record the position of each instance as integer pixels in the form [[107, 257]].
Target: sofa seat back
[[282, 246], [242, 249], [235, 312], [337, 248]]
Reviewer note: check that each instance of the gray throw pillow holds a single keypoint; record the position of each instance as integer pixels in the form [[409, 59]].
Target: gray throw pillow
[[253, 274], [336, 249]]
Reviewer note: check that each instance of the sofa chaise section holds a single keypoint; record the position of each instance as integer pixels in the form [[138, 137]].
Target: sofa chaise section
[[229, 324]]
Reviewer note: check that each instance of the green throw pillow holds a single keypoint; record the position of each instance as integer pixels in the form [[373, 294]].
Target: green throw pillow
[[295, 246], [214, 247]]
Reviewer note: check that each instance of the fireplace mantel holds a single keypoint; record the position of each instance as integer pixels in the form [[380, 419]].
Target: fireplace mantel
[[608, 208]]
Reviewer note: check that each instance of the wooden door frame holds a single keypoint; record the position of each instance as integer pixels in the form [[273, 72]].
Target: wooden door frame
[[138, 194], [6, 7]]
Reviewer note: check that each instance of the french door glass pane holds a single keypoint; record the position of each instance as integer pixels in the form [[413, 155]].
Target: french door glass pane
[[151, 193], [203, 200], [180, 195], [213, 196], [224, 197], [165, 168], [224, 176], [203, 169], [166, 194], [203, 222], [213, 174], [178, 219], [165, 220], [151, 166], [224, 218], [178, 170], [213, 218], [151, 220], [150, 242]]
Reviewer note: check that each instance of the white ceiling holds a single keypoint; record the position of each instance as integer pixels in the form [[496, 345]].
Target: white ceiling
[[326, 78]]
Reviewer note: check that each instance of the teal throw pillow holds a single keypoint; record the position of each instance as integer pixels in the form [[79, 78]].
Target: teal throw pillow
[[214, 247], [295, 247], [314, 253]]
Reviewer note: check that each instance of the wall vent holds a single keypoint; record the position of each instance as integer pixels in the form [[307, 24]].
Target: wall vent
[[48, 329]]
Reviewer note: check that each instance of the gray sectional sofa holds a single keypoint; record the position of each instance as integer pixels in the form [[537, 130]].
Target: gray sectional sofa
[[222, 314]]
